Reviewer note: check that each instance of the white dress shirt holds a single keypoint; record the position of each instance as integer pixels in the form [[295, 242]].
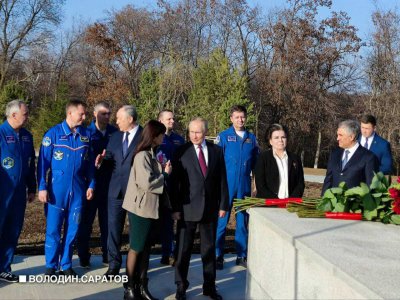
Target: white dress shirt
[[283, 175], [205, 151], [352, 150], [370, 140], [131, 135]]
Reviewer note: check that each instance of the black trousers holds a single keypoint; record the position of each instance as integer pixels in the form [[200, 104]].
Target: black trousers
[[186, 231], [116, 222]]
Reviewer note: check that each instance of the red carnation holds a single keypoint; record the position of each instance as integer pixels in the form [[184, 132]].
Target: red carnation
[[396, 206], [398, 179], [394, 193]]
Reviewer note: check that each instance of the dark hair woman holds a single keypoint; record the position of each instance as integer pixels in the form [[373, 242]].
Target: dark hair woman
[[278, 173], [142, 200]]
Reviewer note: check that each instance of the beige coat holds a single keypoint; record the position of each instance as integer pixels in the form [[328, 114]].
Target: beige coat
[[145, 186]]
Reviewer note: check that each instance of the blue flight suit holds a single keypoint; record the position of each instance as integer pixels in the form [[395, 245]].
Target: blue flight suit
[[164, 153], [240, 157], [69, 158], [99, 201], [17, 174]]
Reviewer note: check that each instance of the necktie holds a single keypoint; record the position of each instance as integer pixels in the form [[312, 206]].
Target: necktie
[[366, 143], [345, 159], [202, 161], [125, 144]]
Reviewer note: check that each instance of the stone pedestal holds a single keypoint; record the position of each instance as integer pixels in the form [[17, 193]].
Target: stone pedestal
[[299, 258]]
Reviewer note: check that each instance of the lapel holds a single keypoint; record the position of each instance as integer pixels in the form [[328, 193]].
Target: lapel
[[339, 154], [133, 144], [374, 143], [211, 158], [192, 156]]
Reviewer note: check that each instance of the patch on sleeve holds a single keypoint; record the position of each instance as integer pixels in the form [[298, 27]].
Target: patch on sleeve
[[46, 141], [217, 139], [8, 163]]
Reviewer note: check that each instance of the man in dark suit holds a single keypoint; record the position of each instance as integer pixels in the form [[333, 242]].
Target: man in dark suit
[[201, 196], [350, 162], [118, 158], [373, 142]]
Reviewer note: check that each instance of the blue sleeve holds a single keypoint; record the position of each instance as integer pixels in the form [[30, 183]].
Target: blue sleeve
[[256, 152], [386, 162], [44, 160], [91, 168], [31, 182]]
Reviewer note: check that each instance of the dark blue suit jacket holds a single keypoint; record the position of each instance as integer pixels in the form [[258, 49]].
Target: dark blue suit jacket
[[381, 148], [120, 166], [360, 168]]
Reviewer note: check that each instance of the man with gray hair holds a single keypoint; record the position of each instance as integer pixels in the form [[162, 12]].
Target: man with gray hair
[[101, 131], [350, 162], [118, 160], [17, 176]]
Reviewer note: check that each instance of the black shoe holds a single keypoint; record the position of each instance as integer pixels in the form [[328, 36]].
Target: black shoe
[[144, 290], [180, 294], [241, 261], [111, 273], [213, 294], [219, 265], [129, 292], [105, 261], [68, 272], [167, 260], [9, 277], [50, 272], [164, 260], [181, 291], [84, 263]]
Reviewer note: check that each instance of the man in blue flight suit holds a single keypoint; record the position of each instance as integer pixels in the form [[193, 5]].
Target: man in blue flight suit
[[66, 153], [100, 131], [17, 174], [165, 151], [240, 152]]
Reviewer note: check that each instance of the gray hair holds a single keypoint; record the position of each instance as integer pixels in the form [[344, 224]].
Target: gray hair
[[101, 104], [13, 107], [203, 121], [352, 127], [130, 111]]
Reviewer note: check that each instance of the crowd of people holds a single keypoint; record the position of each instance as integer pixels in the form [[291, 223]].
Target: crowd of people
[[156, 178]]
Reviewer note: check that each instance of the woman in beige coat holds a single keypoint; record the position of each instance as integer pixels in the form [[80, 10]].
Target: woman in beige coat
[[142, 200]]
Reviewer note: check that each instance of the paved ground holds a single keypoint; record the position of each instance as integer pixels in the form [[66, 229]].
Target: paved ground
[[231, 281], [314, 178]]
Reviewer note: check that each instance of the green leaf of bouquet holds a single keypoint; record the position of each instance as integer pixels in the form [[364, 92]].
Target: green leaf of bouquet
[[395, 219], [368, 202], [325, 205], [337, 190], [339, 207], [377, 195], [357, 191], [328, 194], [343, 185], [386, 199], [369, 215]]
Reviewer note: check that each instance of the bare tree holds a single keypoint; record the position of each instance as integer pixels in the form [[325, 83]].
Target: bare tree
[[24, 24]]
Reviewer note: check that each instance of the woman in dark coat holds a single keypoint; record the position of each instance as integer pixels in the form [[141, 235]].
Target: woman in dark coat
[[278, 173]]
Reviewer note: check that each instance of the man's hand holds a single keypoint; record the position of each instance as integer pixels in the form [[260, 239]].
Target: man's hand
[[176, 215], [31, 197], [99, 159], [222, 213], [89, 194], [43, 196]]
